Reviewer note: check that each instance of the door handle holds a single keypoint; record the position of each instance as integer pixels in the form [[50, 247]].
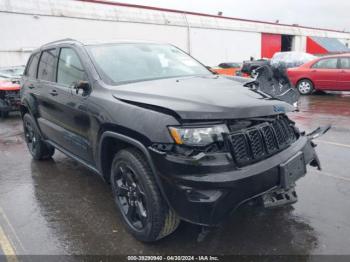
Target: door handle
[[313, 71], [53, 93]]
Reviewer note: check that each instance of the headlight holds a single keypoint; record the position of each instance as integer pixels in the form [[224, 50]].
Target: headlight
[[198, 136]]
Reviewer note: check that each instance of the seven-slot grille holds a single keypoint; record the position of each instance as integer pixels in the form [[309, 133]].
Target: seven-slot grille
[[261, 141]]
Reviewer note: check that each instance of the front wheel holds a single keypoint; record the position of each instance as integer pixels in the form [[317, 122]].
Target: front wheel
[[144, 211], [305, 87], [36, 146]]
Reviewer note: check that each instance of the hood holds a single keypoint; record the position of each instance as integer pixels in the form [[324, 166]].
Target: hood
[[209, 97]]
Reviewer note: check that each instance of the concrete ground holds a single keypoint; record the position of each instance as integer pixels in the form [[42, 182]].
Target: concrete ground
[[60, 207]]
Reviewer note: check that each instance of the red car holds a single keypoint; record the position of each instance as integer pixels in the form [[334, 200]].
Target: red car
[[330, 73], [9, 97]]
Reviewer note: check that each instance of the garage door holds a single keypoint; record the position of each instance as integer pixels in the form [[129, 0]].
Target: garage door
[[270, 44]]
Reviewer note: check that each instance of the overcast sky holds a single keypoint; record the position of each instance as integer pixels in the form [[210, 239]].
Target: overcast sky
[[316, 13]]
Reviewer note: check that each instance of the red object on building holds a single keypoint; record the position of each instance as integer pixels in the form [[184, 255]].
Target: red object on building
[[312, 47], [270, 44]]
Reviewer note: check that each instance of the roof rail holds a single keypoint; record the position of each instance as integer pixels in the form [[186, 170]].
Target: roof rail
[[62, 40]]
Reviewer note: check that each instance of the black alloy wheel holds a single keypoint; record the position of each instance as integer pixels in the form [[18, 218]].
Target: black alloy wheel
[[137, 195], [38, 148], [130, 196]]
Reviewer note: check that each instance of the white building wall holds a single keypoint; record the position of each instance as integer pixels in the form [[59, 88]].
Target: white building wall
[[299, 43], [31, 23], [32, 32], [214, 46]]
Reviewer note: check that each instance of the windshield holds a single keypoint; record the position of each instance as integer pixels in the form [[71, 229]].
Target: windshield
[[122, 63]]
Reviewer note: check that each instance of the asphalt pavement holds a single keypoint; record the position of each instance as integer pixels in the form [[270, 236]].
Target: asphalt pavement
[[59, 207]]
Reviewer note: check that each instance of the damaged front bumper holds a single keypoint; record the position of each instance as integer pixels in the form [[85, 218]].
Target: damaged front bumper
[[205, 190], [9, 101]]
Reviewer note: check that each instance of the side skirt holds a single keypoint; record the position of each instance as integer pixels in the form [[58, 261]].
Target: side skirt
[[91, 167]]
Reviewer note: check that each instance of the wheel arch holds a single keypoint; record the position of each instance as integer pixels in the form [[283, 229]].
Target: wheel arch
[[110, 143], [29, 107]]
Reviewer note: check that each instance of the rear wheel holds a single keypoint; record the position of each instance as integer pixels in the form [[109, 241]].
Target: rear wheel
[[137, 196], [36, 146], [305, 87], [4, 114]]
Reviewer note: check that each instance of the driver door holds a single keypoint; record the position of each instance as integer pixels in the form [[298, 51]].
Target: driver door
[[74, 118]]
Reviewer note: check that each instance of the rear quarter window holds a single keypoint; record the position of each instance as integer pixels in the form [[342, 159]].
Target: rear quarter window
[[345, 63], [32, 66], [330, 63]]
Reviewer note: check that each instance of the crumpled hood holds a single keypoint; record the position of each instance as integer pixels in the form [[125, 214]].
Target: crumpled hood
[[209, 97]]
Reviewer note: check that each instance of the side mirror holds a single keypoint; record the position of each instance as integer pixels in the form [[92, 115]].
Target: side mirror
[[82, 85]]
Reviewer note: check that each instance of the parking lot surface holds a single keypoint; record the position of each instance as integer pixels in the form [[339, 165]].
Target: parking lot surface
[[60, 207]]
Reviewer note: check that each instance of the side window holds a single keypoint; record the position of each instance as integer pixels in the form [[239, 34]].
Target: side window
[[32, 66], [345, 63], [330, 63], [70, 69], [47, 65]]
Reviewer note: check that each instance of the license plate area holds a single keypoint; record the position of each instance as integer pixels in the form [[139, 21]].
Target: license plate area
[[292, 170]]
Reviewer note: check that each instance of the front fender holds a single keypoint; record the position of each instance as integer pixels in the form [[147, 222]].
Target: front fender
[[137, 144]]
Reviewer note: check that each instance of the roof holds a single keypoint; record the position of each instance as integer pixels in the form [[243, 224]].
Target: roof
[[336, 55], [202, 14], [332, 45], [99, 42]]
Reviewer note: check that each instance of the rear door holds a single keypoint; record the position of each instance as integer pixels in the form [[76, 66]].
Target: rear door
[[29, 79], [344, 75], [324, 74], [47, 104]]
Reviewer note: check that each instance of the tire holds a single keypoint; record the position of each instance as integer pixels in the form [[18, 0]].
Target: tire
[[305, 87], [36, 146], [137, 196], [4, 114]]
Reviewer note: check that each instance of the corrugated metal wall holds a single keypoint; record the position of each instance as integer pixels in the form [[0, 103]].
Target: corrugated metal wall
[[31, 23]]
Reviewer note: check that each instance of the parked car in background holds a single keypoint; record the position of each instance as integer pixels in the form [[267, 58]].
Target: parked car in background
[[13, 72], [290, 59], [229, 69], [329, 73], [250, 66], [9, 89], [9, 96], [175, 141]]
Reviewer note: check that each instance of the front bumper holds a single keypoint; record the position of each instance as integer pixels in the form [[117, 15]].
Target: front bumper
[[205, 191], [10, 103]]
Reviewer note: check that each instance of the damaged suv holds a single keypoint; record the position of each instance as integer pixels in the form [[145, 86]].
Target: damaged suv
[[175, 141]]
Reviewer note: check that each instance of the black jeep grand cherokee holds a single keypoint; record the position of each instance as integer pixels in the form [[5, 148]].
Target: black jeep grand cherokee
[[175, 141]]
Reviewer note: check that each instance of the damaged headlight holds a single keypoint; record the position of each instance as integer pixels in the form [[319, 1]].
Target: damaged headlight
[[198, 136]]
